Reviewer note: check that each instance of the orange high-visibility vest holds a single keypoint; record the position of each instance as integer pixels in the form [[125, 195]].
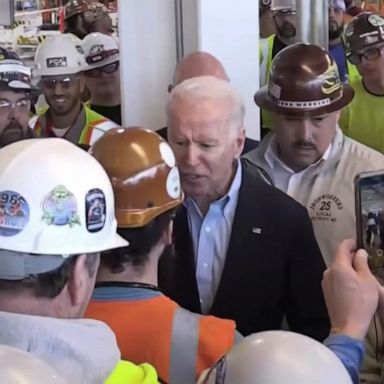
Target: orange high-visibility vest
[[151, 328]]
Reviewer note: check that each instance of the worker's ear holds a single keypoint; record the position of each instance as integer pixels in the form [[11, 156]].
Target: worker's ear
[[82, 83], [167, 235]]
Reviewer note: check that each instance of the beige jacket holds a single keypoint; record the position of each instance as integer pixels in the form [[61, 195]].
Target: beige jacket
[[331, 185], [327, 190]]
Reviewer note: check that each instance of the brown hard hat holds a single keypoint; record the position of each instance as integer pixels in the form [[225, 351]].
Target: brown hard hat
[[366, 29], [98, 10], [303, 81], [143, 172], [74, 7]]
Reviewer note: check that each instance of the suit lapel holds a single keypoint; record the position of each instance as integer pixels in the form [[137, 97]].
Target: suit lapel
[[186, 290], [248, 231]]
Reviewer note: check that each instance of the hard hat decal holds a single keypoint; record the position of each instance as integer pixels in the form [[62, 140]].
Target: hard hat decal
[[14, 213], [349, 30], [60, 207], [57, 62], [331, 82], [95, 210], [376, 20], [167, 154], [173, 183]]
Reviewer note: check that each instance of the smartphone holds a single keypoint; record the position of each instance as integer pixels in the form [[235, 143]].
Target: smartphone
[[369, 205]]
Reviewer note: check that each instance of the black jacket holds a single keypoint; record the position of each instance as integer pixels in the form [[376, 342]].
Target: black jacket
[[266, 275]]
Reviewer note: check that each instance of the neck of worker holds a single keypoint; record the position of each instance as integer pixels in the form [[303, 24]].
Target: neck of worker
[[146, 273], [68, 119]]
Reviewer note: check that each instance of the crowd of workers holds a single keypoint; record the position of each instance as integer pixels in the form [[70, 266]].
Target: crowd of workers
[[185, 255]]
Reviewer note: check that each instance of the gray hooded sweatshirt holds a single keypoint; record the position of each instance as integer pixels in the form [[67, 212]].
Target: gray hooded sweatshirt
[[82, 351]]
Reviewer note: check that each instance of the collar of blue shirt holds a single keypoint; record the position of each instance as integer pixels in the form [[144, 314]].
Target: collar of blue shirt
[[228, 202]]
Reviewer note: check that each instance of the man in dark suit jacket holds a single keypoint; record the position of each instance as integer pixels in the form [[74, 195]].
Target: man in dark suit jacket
[[201, 64], [243, 249]]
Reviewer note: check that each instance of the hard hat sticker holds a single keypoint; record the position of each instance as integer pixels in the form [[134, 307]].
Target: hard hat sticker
[[376, 20], [56, 62], [14, 213], [173, 183], [349, 30], [60, 208], [95, 210], [331, 80], [167, 154]]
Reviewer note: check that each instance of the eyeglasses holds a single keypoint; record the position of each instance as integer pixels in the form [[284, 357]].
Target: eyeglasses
[[65, 82], [284, 12], [369, 55], [22, 105], [108, 69]]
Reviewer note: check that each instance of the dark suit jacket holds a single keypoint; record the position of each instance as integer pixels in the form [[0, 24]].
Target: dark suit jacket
[[266, 275], [248, 145]]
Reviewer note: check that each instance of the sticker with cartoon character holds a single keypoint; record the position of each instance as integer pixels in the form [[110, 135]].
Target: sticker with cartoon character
[[60, 208], [14, 213], [95, 210]]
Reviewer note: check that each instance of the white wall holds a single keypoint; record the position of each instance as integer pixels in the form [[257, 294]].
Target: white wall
[[148, 58], [230, 31]]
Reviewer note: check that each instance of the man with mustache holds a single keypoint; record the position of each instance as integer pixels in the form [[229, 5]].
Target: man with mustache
[[307, 156], [337, 10], [102, 76], [15, 99], [243, 250]]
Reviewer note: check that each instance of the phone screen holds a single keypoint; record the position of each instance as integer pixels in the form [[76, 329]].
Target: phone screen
[[370, 218]]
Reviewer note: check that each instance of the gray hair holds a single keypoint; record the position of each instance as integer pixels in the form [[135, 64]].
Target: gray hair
[[211, 88]]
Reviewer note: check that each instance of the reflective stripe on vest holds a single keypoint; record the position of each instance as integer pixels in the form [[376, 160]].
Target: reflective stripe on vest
[[265, 51], [184, 346], [96, 126]]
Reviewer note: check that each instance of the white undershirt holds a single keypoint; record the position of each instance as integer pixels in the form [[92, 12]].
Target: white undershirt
[[60, 132]]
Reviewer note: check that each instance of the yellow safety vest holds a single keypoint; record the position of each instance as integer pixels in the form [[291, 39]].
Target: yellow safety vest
[[129, 373]]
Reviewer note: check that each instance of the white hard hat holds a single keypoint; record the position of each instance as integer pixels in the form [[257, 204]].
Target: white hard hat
[[277, 357], [19, 367], [282, 5], [76, 41], [55, 199], [57, 55], [100, 50]]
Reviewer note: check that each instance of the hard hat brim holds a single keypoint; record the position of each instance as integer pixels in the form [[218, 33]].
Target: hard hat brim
[[264, 101]]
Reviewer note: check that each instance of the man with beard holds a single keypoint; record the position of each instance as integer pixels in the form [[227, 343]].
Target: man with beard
[[284, 17], [307, 156], [102, 76], [15, 99], [337, 11], [243, 250], [363, 118], [60, 66]]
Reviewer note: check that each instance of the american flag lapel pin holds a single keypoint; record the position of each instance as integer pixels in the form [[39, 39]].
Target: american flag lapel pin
[[256, 231]]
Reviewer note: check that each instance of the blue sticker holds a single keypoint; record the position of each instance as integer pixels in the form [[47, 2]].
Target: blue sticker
[[60, 208], [14, 213], [95, 210]]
